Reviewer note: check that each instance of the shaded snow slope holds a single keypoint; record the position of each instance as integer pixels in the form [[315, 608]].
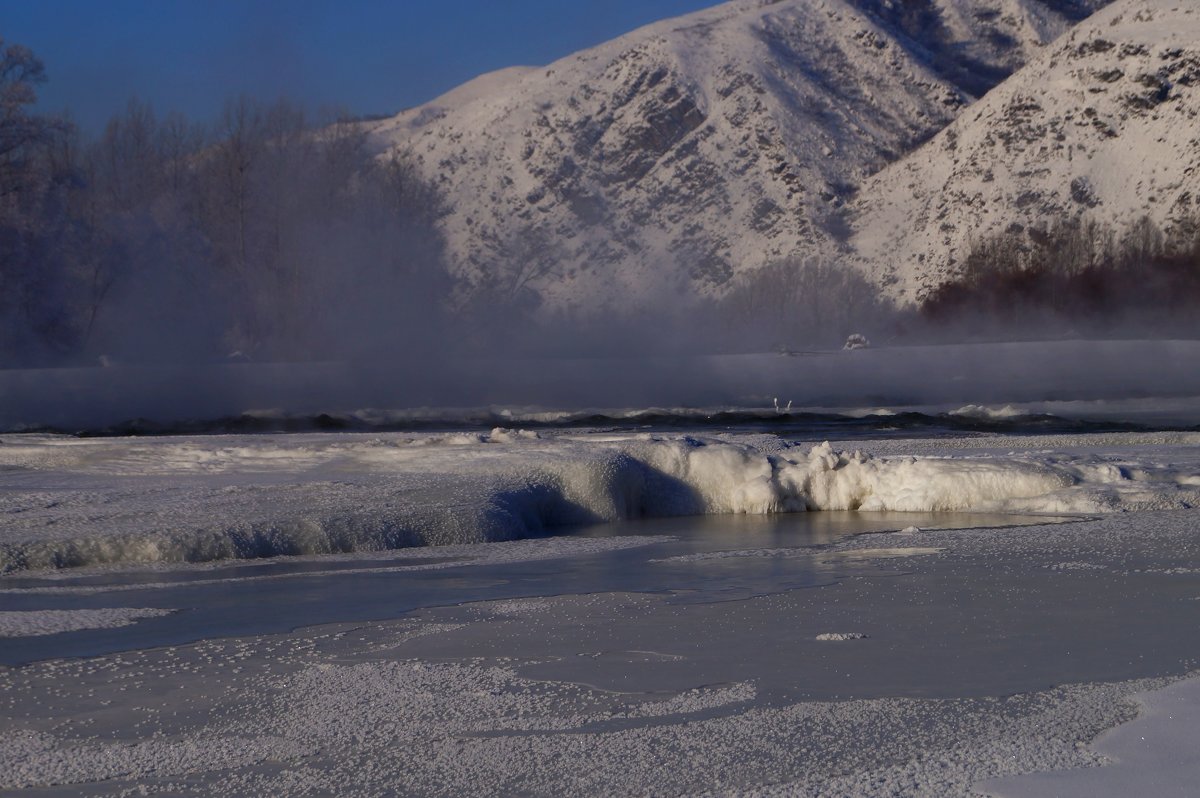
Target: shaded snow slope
[[70, 502], [694, 149], [1103, 127]]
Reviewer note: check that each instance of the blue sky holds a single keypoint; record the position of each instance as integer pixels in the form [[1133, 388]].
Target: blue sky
[[367, 56]]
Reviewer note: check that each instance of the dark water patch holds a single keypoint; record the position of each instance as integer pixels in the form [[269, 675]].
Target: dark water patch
[[795, 425]]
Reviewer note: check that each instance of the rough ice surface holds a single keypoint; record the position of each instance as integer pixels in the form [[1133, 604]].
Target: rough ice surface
[[359, 708], [334, 711], [71, 502], [32, 623]]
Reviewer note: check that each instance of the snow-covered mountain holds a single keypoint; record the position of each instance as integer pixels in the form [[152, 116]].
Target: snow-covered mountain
[[684, 153], [1104, 125]]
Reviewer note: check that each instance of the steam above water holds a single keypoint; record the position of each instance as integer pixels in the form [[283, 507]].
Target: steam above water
[[1112, 381]]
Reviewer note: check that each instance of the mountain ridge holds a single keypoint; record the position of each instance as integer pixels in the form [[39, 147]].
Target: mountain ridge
[[1101, 128], [697, 149]]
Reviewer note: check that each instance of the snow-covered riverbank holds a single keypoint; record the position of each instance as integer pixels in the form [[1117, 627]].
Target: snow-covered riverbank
[[75, 502], [733, 647]]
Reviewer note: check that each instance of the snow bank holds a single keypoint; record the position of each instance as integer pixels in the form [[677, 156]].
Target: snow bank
[[70, 502]]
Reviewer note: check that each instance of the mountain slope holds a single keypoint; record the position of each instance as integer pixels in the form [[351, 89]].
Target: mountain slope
[[684, 153], [1105, 126]]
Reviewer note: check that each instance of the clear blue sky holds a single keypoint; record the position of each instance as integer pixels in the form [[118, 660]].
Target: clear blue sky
[[368, 56]]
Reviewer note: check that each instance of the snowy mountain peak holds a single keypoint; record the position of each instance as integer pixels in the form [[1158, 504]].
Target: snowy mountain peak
[[684, 153]]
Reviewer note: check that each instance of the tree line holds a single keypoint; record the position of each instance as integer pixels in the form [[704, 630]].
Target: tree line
[[1078, 277], [268, 234], [1075, 278]]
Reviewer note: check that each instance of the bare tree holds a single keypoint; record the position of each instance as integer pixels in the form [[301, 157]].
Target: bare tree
[[20, 72]]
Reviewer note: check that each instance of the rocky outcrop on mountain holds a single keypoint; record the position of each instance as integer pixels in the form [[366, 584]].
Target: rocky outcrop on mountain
[[685, 153], [1105, 126]]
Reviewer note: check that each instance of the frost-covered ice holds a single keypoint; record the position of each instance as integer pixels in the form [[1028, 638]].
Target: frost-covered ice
[[904, 675], [721, 675], [885, 553], [31, 623], [70, 502], [857, 554], [348, 710]]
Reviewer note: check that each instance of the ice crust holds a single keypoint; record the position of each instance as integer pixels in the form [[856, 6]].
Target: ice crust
[[70, 502]]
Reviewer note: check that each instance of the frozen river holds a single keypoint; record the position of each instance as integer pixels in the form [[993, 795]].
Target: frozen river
[[992, 614]]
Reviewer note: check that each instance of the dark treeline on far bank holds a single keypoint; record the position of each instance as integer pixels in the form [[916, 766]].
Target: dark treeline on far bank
[[1079, 278]]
